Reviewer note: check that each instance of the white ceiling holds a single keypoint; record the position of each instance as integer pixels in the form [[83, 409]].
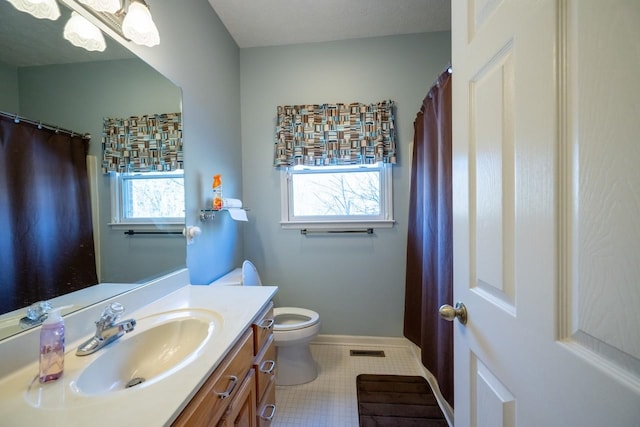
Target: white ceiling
[[254, 23]]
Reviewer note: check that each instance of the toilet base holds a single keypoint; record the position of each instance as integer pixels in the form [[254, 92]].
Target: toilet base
[[295, 365]]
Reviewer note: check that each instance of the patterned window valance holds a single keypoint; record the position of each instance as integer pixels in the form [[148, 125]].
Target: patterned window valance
[[150, 143], [335, 134]]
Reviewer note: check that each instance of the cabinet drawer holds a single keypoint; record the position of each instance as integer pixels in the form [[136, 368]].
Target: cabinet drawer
[[267, 406], [265, 366], [213, 398], [263, 328]]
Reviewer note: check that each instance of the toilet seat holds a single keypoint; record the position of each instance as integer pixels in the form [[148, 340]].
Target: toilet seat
[[294, 318]]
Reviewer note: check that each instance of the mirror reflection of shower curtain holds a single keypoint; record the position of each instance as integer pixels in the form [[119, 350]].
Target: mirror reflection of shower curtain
[[46, 235], [429, 280]]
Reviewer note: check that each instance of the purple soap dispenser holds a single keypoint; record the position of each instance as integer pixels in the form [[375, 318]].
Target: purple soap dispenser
[[52, 347]]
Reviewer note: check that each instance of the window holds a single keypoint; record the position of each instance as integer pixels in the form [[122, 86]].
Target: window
[[148, 198], [337, 197]]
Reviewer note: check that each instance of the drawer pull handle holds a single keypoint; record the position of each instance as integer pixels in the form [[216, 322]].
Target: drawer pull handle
[[232, 384], [269, 369], [266, 324], [273, 412]]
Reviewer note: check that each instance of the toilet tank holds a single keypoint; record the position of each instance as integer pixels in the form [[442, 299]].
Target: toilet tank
[[232, 278]]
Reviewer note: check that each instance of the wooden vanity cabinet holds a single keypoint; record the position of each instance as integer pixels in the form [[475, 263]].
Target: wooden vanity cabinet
[[241, 391]]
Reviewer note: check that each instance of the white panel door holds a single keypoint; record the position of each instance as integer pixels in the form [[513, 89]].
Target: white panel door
[[546, 209]]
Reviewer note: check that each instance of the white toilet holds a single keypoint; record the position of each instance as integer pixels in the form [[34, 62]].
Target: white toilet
[[293, 330]]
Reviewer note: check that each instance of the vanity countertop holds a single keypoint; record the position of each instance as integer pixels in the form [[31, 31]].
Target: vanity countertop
[[24, 401]]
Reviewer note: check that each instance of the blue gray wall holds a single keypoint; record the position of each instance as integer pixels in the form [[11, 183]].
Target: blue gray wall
[[356, 283], [9, 99]]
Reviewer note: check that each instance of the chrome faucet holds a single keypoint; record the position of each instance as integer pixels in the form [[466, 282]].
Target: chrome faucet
[[107, 330]]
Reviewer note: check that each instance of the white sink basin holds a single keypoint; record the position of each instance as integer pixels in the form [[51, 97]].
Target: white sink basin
[[159, 346]]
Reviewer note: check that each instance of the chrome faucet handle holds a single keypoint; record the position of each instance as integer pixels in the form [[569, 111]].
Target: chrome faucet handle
[[36, 314], [110, 314], [39, 310]]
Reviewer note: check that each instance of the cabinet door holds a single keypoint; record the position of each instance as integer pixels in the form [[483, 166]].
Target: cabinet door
[[242, 410], [213, 398]]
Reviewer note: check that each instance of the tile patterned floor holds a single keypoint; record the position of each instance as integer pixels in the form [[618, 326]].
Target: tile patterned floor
[[330, 400]]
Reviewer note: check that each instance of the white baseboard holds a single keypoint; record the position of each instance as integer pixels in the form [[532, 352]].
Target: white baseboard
[[346, 340]]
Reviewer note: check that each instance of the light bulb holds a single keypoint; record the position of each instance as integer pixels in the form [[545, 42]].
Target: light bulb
[[138, 25], [41, 9], [82, 33]]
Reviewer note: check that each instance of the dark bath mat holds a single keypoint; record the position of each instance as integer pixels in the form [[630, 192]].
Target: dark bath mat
[[397, 400]]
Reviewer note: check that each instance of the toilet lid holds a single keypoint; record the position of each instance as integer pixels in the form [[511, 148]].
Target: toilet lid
[[292, 318]]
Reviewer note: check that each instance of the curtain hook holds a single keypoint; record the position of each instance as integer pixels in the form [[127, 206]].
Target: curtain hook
[[16, 119], [39, 125]]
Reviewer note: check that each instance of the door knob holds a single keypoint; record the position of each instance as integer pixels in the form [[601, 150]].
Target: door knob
[[449, 313]]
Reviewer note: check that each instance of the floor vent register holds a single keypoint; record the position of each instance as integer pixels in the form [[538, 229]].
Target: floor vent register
[[369, 353]]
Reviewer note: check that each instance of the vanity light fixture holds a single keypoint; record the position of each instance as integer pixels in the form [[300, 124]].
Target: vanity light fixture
[[82, 33], [138, 26], [110, 6], [130, 18], [41, 9]]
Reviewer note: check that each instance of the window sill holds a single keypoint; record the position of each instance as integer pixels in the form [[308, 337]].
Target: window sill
[[333, 225]]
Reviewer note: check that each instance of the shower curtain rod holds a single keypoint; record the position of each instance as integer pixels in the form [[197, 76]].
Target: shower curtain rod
[[57, 129], [447, 69]]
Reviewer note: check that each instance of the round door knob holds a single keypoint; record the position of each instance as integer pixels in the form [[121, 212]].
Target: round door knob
[[449, 313]]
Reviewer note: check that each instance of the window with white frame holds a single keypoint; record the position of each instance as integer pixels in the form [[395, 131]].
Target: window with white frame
[[148, 198], [144, 157], [335, 162], [337, 196]]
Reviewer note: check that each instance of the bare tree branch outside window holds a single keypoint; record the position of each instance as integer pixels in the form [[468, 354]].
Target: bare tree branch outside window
[[156, 198], [337, 194]]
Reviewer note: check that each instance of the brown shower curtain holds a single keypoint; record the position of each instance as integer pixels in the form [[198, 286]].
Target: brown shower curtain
[[429, 281], [46, 234]]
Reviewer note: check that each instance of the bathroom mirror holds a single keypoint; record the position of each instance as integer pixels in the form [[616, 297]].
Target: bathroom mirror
[[38, 65]]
